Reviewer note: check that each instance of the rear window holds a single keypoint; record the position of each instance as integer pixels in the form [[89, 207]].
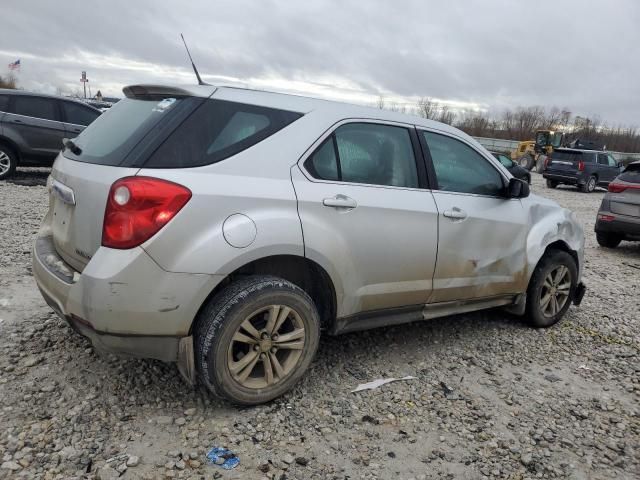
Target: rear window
[[631, 174], [568, 156], [113, 135], [218, 130]]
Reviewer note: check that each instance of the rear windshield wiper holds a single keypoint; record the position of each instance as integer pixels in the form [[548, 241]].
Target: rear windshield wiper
[[68, 143]]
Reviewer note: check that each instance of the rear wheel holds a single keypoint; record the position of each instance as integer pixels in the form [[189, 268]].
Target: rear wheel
[[255, 339], [551, 289], [8, 162], [551, 183], [608, 240], [590, 185]]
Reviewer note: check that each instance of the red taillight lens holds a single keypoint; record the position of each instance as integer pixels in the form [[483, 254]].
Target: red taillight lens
[[617, 187], [581, 166], [606, 218], [138, 207], [547, 162]]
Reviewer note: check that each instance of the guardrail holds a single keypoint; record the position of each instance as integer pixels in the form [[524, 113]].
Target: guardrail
[[507, 146]]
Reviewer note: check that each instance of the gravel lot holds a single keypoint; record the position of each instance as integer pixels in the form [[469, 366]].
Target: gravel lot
[[492, 398]]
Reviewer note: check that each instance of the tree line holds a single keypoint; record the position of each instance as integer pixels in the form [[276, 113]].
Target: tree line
[[521, 123]]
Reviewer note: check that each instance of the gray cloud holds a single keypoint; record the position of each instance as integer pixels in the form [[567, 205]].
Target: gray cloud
[[494, 53]]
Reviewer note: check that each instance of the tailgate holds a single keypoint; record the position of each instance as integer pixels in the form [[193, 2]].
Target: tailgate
[[78, 196]]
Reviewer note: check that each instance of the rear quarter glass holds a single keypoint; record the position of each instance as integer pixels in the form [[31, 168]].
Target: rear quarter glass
[[217, 130], [132, 126]]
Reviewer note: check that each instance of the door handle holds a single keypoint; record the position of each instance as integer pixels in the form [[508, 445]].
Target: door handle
[[340, 201], [455, 214], [16, 120]]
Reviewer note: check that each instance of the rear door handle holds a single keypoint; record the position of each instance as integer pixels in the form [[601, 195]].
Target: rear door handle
[[340, 201], [455, 214]]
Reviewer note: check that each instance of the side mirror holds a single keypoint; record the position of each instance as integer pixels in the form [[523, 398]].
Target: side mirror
[[517, 188], [620, 164]]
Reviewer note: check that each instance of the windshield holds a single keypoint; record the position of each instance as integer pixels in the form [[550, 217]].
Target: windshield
[[113, 135], [542, 138], [557, 139]]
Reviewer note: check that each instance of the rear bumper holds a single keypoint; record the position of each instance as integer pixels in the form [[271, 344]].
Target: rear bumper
[[122, 301], [622, 225], [564, 178]]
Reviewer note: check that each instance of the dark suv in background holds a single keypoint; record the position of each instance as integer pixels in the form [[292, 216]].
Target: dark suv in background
[[586, 169], [33, 125]]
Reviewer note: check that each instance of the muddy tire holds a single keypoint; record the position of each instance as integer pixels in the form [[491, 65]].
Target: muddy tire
[[526, 161], [8, 161], [551, 183], [551, 289], [608, 240], [590, 185], [255, 339]]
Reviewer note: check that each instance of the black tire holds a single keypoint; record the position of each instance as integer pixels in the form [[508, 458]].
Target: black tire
[[590, 185], [552, 260], [551, 183], [8, 161], [527, 161], [608, 240], [221, 318], [540, 163]]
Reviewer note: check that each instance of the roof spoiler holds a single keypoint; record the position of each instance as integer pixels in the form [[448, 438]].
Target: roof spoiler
[[136, 91]]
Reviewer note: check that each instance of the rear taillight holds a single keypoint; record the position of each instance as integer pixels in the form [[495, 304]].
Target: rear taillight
[[581, 166], [138, 207], [617, 187], [621, 187], [606, 218], [547, 162]]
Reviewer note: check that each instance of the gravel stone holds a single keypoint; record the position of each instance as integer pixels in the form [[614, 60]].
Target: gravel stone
[[521, 403]]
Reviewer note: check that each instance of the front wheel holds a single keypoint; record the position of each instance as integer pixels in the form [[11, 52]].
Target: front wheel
[[551, 183], [255, 339], [608, 240], [551, 289], [527, 161]]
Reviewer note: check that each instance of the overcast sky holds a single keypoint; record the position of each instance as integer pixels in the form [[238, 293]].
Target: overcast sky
[[488, 54]]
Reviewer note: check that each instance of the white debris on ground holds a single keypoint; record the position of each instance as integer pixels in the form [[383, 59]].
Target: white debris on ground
[[492, 398]]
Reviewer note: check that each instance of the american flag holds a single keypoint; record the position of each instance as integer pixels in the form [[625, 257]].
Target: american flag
[[15, 65]]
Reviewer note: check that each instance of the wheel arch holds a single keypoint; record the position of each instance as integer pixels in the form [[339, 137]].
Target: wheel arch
[[13, 146], [301, 271]]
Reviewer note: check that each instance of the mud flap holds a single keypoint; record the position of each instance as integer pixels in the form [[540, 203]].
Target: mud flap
[[186, 362], [579, 293]]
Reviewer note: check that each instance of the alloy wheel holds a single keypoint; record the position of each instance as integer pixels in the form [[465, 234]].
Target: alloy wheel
[[5, 163], [266, 347], [555, 291]]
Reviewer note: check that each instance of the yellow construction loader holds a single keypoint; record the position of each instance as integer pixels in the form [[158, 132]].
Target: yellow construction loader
[[531, 153]]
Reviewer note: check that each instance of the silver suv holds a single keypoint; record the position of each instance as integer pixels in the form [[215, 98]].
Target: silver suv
[[225, 229]]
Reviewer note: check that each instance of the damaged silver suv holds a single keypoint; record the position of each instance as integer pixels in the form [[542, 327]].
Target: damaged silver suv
[[225, 229]]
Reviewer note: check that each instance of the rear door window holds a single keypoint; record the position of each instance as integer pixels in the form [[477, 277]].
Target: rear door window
[[78, 114], [36, 107], [218, 130], [612, 161], [366, 153]]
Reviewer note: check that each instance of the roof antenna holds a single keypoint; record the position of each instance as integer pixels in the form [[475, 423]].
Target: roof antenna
[[195, 70]]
